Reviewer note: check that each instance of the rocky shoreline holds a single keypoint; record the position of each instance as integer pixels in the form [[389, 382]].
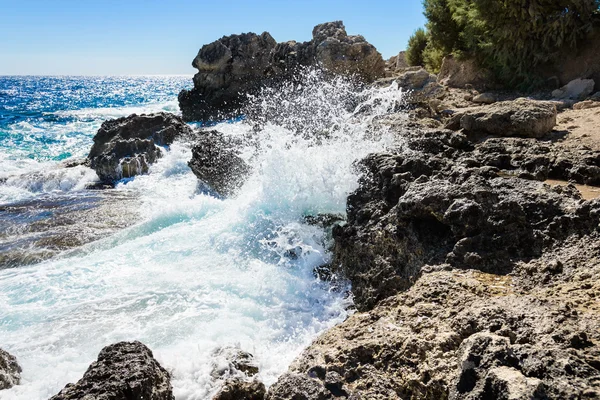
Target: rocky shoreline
[[473, 275]]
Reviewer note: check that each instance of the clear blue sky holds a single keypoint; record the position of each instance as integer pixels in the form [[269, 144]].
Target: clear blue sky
[[107, 37]]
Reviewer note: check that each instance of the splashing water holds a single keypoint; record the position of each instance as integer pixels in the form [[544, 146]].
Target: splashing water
[[199, 272]]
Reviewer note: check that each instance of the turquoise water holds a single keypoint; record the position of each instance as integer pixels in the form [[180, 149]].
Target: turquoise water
[[193, 272]]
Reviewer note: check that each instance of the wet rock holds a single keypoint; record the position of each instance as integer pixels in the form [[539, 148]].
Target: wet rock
[[232, 361], [485, 98], [238, 389], [127, 146], [521, 117], [123, 371], [10, 370], [216, 162], [234, 66], [576, 89], [293, 386]]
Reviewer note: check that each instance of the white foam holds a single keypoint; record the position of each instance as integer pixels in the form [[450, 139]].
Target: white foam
[[198, 272]]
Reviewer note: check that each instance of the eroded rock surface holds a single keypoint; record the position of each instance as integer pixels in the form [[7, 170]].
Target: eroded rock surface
[[217, 163], [10, 370], [123, 371], [127, 146], [234, 66]]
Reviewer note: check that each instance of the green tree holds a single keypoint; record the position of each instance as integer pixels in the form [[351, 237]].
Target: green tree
[[416, 45]]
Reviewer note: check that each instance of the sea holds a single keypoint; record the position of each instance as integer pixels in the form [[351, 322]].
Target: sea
[[160, 258]]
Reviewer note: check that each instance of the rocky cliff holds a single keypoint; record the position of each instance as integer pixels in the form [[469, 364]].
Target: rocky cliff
[[235, 66]]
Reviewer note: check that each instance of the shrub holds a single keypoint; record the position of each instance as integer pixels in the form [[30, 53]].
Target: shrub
[[511, 37], [416, 45]]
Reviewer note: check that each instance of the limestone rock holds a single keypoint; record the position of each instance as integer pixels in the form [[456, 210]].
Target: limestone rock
[[587, 104], [415, 80], [464, 73], [239, 389], [521, 117], [576, 89], [485, 98], [123, 371], [234, 66], [127, 146], [228, 69], [216, 162], [10, 370], [232, 361]]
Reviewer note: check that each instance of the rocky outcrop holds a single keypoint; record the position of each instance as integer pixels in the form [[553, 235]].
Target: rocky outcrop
[[455, 335], [463, 73], [576, 89], [473, 278], [234, 66], [521, 117], [217, 163], [10, 370], [238, 369], [123, 371], [126, 147], [238, 389]]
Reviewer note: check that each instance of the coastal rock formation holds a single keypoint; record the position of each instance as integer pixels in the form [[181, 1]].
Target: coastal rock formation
[[239, 389], [10, 370], [127, 146], [216, 162], [123, 371], [462, 74], [521, 117], [234, 66], [232, 361], [473, 280]]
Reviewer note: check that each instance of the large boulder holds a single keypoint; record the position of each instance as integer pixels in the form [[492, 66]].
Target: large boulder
[[228, 69], [240, 389], [10, 370], [217, 163], [123, 371], [576, 89], [126, 147], [521, 117], [463, 74], [237, 65]]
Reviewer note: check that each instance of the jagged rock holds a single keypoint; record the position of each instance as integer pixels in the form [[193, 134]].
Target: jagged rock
[[587, 104], [238, 389], [237, 65], [460, 335], [463, 74], [216, 162], [485, 98], [127, 146], [228, 69], [576, 89], [415, 80], [123, 371], [446, 206], [10, 370], [521, 117], [232, 361]]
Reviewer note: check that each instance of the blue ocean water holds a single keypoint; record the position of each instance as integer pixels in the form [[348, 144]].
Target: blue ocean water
[[190, 272]]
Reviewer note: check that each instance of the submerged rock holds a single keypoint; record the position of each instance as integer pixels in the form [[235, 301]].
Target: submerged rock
[[216, 162], [235, 66], [127, 146], [239, 389], [123, 371], [10, 370], [233, 361]]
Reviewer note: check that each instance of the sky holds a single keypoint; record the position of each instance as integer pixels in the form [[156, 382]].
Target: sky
[[138, 37]]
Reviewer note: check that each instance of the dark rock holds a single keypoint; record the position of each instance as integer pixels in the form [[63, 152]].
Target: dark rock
[[292, 386], [216, 162], [127, 146], [238, 389], [232, 361], [235, 66], [123, 371], [10, 370]]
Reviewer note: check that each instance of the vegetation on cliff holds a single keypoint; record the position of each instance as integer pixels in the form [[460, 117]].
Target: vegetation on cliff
[[511, 38]]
